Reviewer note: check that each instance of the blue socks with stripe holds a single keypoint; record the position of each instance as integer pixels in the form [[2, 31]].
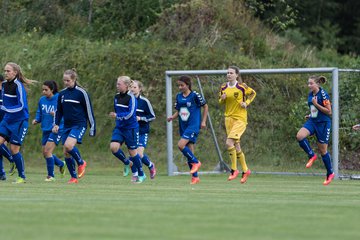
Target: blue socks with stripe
[[327, 162], [19, 162], [305, 145], [189, 155]]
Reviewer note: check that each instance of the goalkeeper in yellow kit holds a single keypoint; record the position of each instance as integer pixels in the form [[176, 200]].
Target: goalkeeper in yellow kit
[[236, 96]]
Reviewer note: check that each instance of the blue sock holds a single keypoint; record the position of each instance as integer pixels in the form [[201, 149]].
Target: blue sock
[[145, 160], [189, 155], [133, 169], [50, 166], [137, 162], [121, 156], [20, 165], [195, 174], [57, 161], [6, 152], [304, 144], [2, 171], [70, 163], [76, 155], [327, 162]]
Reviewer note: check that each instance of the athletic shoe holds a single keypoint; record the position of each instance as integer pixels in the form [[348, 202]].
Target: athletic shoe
[[81, 170], [311, 161], [12, 168], [234, 175], [329, 179], [152, 171], [72, 180], [3, 177], [245, 175], [50, 179], [62, 169], [141, 179], [195, 167], [194, 180], [126, 170], [134, 179], [20, 180]]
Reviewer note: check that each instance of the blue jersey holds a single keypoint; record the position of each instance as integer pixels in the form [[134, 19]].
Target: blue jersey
[[189, 109], [2, 112], [43, 114], [14, 101], [125, 105], [322, 99], [75, 107], [146, 113]]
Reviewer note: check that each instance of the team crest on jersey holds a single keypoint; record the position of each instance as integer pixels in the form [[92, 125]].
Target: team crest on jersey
[[236, 95], [188, 104]]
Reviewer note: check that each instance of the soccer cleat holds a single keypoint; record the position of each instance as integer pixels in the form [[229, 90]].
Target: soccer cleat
[[81, 170], [329, 179], [50, 179], [134, 179], [72, 180], [12, 168], [3, 177], [19, 180], [126, 170], [311, 161], [194, 180], [141, 179], [195, 167], [245, 175], [234, 175], [62, 169], [152, 171]]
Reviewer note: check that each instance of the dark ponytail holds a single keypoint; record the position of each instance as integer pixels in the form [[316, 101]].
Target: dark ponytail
[[52, 85]]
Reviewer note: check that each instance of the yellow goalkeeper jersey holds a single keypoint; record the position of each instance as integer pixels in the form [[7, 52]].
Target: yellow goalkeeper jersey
[[236, 94]]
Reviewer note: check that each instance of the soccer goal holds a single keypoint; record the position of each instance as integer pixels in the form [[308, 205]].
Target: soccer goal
[[210, 145]]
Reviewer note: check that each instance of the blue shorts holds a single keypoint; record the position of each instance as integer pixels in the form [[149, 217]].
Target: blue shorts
[[190, 135], [129, 136], [76, 132], [14, 132], [320, 129], [143, 139], [49, 136]]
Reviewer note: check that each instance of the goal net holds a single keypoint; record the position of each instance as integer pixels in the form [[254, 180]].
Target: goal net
[[274, 118]]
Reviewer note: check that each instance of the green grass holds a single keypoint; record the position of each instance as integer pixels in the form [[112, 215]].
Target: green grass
[[107, 206]]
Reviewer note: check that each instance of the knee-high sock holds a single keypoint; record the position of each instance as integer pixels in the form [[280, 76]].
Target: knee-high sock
[[6, 152], [20, 165], [304, 144], [76, 156], [327, 162], [70, 163], [137, 162], [232, 155], [2, 170], [241, 158], [57, 161], [121, 156], [195, 174], [189, 155], [145, 160], [50, 166]]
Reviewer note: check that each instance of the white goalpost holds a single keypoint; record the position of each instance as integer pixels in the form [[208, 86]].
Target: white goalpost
[[173, 168]]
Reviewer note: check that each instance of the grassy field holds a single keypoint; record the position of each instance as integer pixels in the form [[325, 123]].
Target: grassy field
[[107, 206]]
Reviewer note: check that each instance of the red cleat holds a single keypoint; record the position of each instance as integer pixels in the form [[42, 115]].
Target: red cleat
[[234, 175], [72, 180], [195, 167], [153, 172], [311, 161], [195, 180], [329, 179], [245, 176], [81, 170]]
